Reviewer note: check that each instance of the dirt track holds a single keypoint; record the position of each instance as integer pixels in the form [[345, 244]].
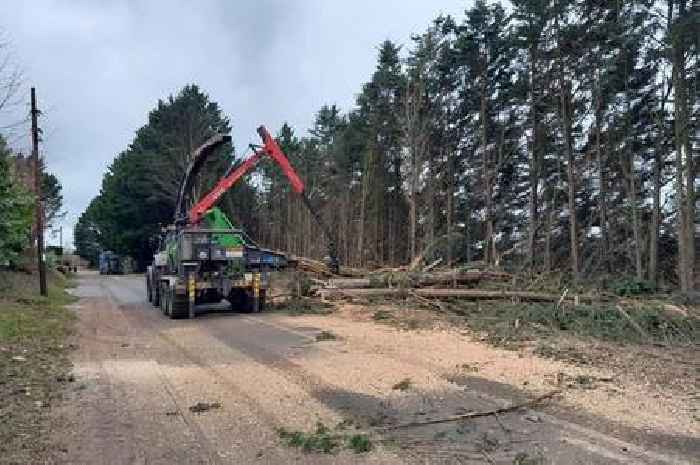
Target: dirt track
[[137, 374]]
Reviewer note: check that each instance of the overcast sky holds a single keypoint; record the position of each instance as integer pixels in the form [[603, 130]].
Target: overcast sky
[[100, 66]]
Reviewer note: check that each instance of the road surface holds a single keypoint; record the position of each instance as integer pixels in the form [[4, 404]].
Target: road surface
[[138, 373]]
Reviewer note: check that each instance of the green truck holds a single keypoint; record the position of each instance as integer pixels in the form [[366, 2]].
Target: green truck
[[203, 258]]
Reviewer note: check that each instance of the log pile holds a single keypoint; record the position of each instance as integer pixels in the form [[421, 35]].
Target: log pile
[[319, 268], [436, 284], [428, 283]]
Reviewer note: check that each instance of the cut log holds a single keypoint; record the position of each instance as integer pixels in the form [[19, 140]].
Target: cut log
[[438, 293], [448, 277], [349, 283], [433, 265], [418, 279]]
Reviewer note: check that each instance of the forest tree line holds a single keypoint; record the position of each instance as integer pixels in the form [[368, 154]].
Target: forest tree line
[[558, 135]]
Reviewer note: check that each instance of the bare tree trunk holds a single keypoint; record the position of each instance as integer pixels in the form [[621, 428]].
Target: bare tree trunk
[[603, 189], [548, 233], [629, 172], [571, 175], [412, 203], [656, 207], [487, 176], [636, 234], [534, 168], [450, 200], [363, 207], [430, 195], [685, 179]]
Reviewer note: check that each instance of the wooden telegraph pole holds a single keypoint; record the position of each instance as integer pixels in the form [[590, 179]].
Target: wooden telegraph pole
[[37, 191]]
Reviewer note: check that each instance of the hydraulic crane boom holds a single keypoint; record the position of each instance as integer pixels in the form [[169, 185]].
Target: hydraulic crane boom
[[272, 149]]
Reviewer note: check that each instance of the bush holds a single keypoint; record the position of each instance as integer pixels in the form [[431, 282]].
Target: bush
[[630, 286]]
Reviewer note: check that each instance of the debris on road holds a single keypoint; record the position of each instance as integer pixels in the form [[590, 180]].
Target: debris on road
[[326, 336], [201, 407], [466, 416], [403, 385]]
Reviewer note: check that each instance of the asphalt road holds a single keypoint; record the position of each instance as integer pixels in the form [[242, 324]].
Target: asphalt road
[[138, 373]]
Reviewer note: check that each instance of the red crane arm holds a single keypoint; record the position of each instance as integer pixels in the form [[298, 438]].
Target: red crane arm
[[271, 148], [224, 184]]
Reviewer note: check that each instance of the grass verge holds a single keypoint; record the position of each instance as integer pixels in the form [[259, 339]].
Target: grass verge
[[34, 363]]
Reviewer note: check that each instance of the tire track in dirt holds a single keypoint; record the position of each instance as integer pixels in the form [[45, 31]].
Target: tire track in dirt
[[182, 336], [190, 423]]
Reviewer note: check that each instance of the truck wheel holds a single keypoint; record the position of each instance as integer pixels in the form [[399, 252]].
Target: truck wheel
[[149, 293], [253, 305], [262, 300], [238, 300], [179, 306], [155, 294], [163, 298]]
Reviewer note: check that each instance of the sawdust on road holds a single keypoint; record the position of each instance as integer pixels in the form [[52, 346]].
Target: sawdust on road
[[138, 374]]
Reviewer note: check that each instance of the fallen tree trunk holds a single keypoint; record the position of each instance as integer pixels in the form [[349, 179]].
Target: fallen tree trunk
[[349, 283], [417, 279], [462, 277], [438, 293], [318, 267]]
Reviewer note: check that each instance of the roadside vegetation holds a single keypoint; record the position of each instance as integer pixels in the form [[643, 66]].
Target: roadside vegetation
[[34, 365], [509, 325], [325, 440]]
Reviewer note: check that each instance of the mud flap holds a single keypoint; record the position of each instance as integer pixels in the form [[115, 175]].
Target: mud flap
[[255, 304], [191, 293]]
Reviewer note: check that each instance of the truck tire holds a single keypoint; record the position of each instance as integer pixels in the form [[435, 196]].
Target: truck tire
[[253, 305], [149, 292], [179, 305], [163, 298], [238, 300], [155, 294]]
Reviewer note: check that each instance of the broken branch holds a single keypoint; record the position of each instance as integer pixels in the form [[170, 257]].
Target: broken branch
[[466, 416]]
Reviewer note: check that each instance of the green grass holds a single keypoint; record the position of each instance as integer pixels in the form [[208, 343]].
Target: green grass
[[34, 364], [324, 441], [359, 443]]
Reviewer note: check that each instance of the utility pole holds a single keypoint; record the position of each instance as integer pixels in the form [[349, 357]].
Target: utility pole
[[37, 191]]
